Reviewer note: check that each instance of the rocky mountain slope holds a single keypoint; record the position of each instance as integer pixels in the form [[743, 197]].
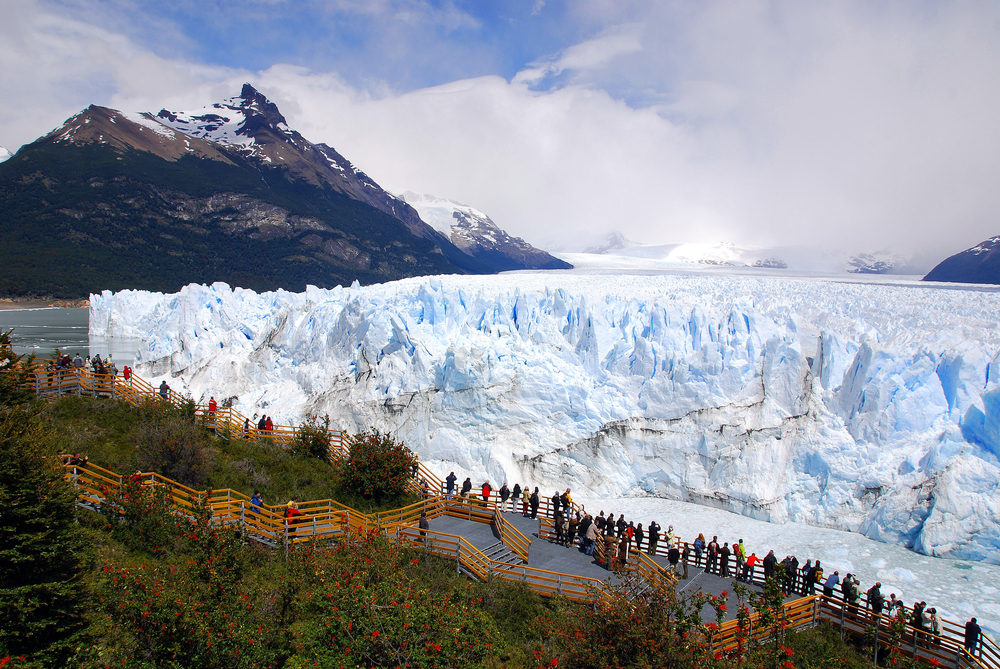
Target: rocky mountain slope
[[980, 264], [229, 193], [476, 234]]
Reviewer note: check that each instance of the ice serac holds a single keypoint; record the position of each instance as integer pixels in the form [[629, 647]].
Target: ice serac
[[871, 408], [4, 154]]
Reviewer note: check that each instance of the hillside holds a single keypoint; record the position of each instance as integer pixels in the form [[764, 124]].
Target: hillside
[[980, 264]]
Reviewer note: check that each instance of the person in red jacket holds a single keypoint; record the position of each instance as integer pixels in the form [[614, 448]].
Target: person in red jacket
[[486, 491], [268, 424]]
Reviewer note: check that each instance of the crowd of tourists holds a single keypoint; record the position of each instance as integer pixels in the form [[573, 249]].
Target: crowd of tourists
[[574, 527]]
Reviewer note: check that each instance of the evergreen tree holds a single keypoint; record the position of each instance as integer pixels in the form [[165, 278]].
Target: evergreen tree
[[41, 596], [15, 374]]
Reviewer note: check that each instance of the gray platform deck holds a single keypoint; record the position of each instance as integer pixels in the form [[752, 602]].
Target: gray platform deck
[[547, 555]]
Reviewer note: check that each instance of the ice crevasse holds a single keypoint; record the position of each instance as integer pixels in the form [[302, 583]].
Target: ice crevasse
[[871, 408]]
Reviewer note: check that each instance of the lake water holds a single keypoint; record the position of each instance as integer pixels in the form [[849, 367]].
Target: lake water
[[41, 331]]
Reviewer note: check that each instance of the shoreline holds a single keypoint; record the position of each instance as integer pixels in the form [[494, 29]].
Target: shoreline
[[11, 303]]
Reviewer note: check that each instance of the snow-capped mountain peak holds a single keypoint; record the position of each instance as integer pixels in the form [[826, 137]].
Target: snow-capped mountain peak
[[614, 241], [4, 154], [880, 262], [475, 233]]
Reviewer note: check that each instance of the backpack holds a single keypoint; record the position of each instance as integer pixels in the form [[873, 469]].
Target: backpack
[[855, 590], [818, 575]]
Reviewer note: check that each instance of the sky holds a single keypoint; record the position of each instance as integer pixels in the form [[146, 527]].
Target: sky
[[861, 126]]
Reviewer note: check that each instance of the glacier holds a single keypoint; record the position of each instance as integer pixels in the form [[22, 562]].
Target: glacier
[[872, 407]]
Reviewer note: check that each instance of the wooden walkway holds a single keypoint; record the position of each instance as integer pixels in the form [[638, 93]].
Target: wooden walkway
[[484, 543]]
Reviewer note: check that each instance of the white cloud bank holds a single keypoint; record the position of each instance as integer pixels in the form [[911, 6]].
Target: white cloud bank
[[824, 124]]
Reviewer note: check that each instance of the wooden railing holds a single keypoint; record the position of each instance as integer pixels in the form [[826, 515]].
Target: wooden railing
[[947, 649], [512, 537]]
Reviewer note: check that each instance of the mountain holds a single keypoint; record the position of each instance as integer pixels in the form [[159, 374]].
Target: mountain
[[476, 234], [4, 154], [724, 254], [114, 200], [980, 264], [880, 262], [615, 241]]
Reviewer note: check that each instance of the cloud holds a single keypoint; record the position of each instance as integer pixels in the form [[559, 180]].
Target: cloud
[[823, 124], [583, 57]]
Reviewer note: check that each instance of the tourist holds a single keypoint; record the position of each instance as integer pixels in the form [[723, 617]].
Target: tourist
[[623, 546], [525, 500], [699, 548], [164, 390], [685, 553], [724, 554], [567, 502], [805, 574], [269, 424], [654, 536], [770, 562], [740, 554], [423, 525], [256, 503], [449, 484], [592, 536], [639, 537], [917, 620], [875, 600], [713, 555], [504, 494], [621, 525], [466, 487], [559, 526], [534, 504], [674, 556], [831, 583], [515, 497], [749, 566], [935, 622], [486, 491], [972, 634], [815, 578], [76, 461], [571, 528]]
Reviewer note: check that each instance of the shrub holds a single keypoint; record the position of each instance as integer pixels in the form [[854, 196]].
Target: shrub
[[141, 517], [174, 448], [313, 438], [378, 467], [364, 610]]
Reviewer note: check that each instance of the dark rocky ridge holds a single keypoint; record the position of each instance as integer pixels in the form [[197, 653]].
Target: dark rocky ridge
[[980, 264]]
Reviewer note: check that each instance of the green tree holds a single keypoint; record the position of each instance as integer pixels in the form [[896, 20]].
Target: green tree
[[42, 599], [378, 467], [15, 374]]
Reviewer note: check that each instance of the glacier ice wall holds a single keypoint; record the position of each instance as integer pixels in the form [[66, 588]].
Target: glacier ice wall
[[873, 408]]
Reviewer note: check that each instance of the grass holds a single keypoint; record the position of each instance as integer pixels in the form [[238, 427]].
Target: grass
[[110, 432]]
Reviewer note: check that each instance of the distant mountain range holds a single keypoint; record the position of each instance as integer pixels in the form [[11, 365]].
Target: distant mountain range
[[980, 264], [114, 200]]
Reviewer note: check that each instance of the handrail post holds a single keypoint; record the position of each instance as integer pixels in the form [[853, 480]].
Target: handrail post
[[458, 558]]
